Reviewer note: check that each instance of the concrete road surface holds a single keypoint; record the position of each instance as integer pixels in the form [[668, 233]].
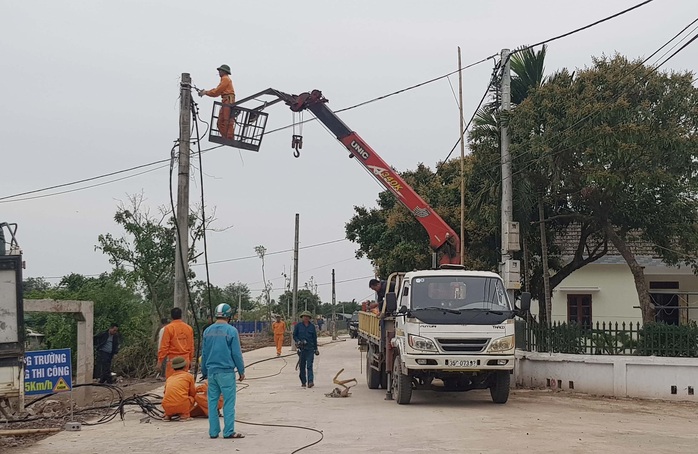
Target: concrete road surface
[[532, 421]]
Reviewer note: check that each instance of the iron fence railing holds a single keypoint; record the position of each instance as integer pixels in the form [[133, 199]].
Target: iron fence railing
[[613, 338]]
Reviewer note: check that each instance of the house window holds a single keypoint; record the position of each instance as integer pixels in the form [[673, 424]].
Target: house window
[[666, 301], [579, 310]]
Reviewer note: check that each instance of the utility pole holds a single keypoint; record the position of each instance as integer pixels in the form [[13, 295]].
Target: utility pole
[[334, 312], [507, 186], [462, 162], [182, 251], [294, 316], [240, 306]]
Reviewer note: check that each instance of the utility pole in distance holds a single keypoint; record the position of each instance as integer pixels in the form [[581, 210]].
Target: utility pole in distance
[[294, 316], [182, 251], [334, 312], [462, 162], [507, 186]]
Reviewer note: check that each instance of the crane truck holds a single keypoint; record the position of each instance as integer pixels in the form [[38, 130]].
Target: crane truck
[[448, 328]]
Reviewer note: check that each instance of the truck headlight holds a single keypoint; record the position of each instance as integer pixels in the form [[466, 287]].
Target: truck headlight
[[421, 343], [502, 344]]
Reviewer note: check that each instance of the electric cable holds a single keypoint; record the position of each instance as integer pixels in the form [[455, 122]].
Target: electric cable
[[472, 118], [195, 114], [182, 263], [235, 259], [613, 16]]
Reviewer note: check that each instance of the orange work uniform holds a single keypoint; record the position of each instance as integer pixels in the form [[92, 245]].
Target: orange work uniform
[[226, 122], [278, 328], [201, 402], [177, 340], [180, 391]]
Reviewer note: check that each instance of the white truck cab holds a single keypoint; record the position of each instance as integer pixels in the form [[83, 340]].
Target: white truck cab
[[445, 330]]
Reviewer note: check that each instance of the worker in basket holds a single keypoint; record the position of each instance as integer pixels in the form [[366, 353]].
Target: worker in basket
[[226, 120]]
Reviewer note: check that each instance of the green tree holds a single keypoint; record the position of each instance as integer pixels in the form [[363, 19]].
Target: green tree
[[624, 141], [391, 237], [305, 298], [115, 301], [146, 254]]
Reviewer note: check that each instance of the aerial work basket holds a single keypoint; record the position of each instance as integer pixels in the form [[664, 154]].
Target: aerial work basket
[[237, 126]]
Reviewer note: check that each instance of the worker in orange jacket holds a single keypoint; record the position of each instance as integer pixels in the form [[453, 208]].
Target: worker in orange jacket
[[201, 401], [279, 328], [177, 340], [226, 121], [180, 391]]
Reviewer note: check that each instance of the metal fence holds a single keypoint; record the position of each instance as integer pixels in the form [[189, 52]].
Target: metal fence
[[250, 327], [652, 339]]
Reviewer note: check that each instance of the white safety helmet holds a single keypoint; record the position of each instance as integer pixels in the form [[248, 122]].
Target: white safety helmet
[[223, 310]]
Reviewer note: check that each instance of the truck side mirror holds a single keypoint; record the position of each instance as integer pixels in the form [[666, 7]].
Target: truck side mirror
[[525, 302], [390, 302], [403, 310]]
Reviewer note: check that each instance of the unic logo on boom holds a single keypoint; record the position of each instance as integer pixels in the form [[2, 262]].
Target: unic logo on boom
[[385, 176], [359, 149]]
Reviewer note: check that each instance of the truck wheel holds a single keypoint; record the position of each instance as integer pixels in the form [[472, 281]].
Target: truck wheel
[[372, 376], [499, 389], [402, 384]]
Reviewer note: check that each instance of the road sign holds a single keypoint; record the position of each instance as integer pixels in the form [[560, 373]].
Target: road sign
[[47, 371]]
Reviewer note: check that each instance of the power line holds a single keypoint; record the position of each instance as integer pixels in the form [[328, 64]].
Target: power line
[[85, 180], [577, 30], [235, 259]]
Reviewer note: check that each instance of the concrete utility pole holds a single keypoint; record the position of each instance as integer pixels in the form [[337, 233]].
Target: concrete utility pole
[[507, 186], [462, 162], [240, 305], [294, 316], [182, 251], [334, 312]]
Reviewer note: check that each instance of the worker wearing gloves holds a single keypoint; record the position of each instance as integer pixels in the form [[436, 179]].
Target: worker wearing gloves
[[278, 328], [220, 358], [180, 391], [226, 121], [305, 337], [177, 340]]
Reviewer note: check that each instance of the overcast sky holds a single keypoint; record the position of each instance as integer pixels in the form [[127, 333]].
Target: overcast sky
[[91, 87]]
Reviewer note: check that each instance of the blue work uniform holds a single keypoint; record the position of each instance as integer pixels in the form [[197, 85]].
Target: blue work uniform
[[306, 354], [221, 356]]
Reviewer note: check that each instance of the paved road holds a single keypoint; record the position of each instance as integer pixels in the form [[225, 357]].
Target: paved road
[[532, 421]]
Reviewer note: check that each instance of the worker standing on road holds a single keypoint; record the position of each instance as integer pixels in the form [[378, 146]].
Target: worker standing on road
[[107, 345], [305, 337], [279, 328], [226, 121], [180, 391], [221, 356], [177, 340]]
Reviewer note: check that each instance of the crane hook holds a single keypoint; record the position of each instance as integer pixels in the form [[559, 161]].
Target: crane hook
[[297, 145]]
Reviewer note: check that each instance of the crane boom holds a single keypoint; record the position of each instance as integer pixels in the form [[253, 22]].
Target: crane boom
[[442, 238]]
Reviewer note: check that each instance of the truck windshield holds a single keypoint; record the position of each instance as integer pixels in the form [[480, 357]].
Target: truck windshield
[[460, 293]]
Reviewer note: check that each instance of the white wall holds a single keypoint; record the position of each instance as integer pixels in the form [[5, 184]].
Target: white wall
[[613, 293], [647, 377]]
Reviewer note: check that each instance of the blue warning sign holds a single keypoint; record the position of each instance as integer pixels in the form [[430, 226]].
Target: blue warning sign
[[47, 371]]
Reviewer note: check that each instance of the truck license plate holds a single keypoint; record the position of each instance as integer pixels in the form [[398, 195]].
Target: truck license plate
[[462, 362]]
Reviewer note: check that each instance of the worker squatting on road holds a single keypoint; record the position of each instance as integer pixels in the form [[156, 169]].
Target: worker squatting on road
[[177, 340], [305, 337], [226, 121], [180, 391], [220, 357], [278, 327]]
